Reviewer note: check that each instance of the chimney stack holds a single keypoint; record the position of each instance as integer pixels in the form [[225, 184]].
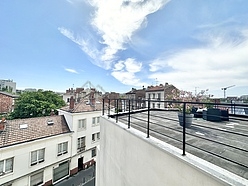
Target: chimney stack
[[72, 103], [92, 98]]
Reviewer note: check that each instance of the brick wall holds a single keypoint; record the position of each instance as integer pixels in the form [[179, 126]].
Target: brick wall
[[5, 103]]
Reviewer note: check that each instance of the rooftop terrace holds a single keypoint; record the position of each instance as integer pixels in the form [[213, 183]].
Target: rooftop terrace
[[221, 143]]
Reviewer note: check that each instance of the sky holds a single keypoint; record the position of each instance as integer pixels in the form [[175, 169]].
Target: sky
[[196, 45]]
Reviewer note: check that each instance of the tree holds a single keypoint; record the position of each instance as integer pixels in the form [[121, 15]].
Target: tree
[[35, 104]]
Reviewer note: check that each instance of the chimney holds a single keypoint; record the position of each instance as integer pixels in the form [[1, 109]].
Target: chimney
[[2, 124], [72, 103], [92, 98]]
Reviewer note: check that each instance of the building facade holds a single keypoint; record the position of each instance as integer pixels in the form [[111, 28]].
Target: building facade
[[8, 85], [46, 150]]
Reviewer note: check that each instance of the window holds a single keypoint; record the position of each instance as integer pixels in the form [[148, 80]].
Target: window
[[36, 179], [153, 105], [81, 144], [37, 156], [6, 166], [153, 96], [82, 124], [98, 135], [62, 148], [158, 105], [93, 137], [93, 152], [93, 120], [159, 96]]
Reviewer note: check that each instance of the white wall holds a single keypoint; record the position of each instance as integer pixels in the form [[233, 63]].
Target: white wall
[[127, 157], [72, 120]]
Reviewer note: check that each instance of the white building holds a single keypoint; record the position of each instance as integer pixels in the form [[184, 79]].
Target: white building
[[8, 85], [157, 94], [46, 150]]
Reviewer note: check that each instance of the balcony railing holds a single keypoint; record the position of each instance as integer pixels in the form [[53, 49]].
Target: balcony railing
[[217, 138]]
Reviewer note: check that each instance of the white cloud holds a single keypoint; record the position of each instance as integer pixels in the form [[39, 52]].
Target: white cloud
[[124, 71], [71, 70], [86, 46], [219, 64], [117, 20]]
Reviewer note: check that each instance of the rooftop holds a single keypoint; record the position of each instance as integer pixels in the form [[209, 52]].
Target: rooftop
[[25, 130], [221, 143]]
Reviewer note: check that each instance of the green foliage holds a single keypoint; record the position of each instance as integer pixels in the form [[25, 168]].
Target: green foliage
[[35, 104]]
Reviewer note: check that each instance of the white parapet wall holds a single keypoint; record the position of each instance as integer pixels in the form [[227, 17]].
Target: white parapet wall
[[128, 158]]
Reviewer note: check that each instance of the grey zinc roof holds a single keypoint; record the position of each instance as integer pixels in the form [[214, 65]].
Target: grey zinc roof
[[25, 130]]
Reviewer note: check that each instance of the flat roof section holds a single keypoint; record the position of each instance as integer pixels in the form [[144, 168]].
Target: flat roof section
[[221, 143]]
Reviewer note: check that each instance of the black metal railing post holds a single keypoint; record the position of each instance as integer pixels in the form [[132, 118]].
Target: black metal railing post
[[129, 114], [117, 110], [148, 120], [184, 126], [103, 107], [108, 107]]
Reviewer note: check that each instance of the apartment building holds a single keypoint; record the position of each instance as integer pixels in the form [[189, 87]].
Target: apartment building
[[46, 150], [159, 93], [34, 151], [137, 97], [7, 85]]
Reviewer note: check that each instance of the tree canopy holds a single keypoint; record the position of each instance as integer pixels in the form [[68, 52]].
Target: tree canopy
[[35, 104]]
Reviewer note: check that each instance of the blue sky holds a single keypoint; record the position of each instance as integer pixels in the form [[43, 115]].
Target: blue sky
[[119, 44]]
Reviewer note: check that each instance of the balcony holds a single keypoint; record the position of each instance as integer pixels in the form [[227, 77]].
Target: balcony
[[222, 143]]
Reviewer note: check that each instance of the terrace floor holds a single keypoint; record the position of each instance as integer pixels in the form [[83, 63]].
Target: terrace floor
[[224, 144]]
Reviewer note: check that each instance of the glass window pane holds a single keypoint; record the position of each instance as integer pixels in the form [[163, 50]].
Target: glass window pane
[[66, 146], [33, 156], [78, 144], [9, 165], [59, 148], [41, 154]]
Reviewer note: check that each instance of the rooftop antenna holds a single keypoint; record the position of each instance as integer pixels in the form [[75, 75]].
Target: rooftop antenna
[[224, 89]]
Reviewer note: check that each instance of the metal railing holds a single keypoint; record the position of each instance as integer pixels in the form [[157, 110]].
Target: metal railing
[[219, 138]]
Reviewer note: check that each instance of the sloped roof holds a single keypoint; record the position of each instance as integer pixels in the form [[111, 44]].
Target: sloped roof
[[29, 129], [84, 106], [9, 94], [155, 88]]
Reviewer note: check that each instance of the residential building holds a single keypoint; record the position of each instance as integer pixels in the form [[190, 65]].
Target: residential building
[[83, 119], [7, 85], [136, 97], [34, 151], [46, 150], [80, 93], [159, 93], [7, 101]]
